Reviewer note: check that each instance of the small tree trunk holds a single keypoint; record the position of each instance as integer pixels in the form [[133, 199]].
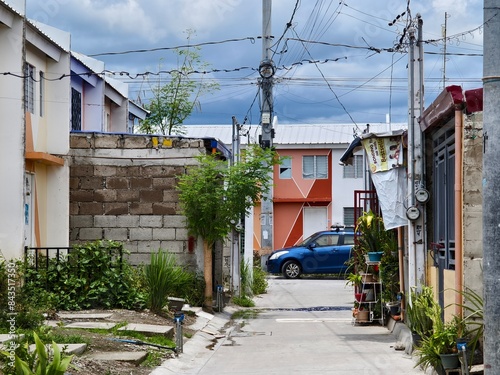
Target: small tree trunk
[[207, 272]]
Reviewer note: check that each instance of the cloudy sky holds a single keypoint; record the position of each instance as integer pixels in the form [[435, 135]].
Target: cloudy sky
[[336, 60]]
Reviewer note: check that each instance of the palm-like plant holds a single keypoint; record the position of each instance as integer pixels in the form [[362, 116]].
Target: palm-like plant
[[373, 236], [163, 277]]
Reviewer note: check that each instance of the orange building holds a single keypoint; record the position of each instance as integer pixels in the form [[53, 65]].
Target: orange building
[[312, 190]]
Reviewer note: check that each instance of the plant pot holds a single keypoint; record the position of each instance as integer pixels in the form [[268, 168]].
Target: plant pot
[[416, 339], [393, 308], [363, 316], [367, 278], [450, 361], [360, 297], [375, 256]]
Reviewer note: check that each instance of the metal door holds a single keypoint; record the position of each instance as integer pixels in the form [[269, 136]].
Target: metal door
[[315, 219]]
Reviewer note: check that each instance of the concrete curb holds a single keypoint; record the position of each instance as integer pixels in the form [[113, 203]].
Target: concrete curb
[[211, 333]]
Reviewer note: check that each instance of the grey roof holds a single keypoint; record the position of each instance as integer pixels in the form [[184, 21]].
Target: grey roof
[[292, 134]]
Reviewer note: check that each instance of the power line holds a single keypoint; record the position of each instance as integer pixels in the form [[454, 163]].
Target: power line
[[331, 89], [252, 40]]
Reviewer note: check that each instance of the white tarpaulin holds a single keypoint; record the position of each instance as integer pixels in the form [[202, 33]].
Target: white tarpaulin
[[391, 189], [385, 158]]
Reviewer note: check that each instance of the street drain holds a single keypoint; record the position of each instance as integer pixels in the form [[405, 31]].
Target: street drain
[[316, 308], [248, 334]]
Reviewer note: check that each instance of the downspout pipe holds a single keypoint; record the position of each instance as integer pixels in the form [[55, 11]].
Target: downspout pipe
[[459, 258]]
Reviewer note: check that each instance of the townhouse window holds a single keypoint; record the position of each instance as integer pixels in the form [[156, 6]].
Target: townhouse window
[[76, 110], [356, 169], [29, 88], [286, 168], [42, 92], [315, 167], [349, 217]]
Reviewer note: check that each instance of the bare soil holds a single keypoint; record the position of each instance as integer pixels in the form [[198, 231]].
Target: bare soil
[[104, 342]]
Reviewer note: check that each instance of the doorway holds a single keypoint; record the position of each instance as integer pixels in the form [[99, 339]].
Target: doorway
[[315, 219]]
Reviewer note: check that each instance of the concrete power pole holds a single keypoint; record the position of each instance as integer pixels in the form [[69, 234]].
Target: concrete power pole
[[416, 240], [235, 235], [266, 71], [491, 187]]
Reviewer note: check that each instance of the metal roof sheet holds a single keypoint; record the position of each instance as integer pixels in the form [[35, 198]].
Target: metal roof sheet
[[292, 134]]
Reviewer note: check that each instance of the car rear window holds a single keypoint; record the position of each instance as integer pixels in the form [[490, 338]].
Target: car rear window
[[348, 239]]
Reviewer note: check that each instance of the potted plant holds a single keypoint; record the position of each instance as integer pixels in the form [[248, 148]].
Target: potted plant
[[438, 346], [372, 233], [419, 312], [355, 279], [373, 241], [439, 350], [363, 314]]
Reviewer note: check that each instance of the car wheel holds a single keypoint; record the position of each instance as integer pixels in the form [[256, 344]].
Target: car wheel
[[291, 269]]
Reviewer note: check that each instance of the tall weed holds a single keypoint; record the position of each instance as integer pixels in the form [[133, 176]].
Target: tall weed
[[164, 278]]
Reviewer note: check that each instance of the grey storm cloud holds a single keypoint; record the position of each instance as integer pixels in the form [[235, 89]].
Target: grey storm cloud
[[337, 61]]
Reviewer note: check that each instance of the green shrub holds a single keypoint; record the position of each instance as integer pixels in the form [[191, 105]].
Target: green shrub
[[260, 284], [194, 289], [92, 275], [17, 309], [243, 301]]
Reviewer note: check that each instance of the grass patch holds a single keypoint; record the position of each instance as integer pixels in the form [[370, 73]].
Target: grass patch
[[244, 301], [157, 339], [154, 358], [66, 338], [245, 314]]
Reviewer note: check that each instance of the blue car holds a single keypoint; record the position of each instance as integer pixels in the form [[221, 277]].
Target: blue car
[[322, 252]]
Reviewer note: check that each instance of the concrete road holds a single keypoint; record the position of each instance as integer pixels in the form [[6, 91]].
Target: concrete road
[[302, 327]]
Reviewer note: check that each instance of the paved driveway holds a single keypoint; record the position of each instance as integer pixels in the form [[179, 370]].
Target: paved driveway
[[304, 327]]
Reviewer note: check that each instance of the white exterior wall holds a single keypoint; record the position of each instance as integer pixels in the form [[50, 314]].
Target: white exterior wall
[[343, 188], [92, 91], [52, 182], [11, 134], [50, 135], [93, 103]]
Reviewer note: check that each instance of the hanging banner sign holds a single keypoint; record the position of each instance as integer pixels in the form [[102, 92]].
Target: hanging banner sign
[[383, 153]]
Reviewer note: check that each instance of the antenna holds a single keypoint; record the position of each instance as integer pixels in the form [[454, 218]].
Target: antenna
[[444, 30]]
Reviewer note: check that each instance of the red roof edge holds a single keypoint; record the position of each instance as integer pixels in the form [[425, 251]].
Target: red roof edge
[[474, 100], [456, 93], [442, 108]]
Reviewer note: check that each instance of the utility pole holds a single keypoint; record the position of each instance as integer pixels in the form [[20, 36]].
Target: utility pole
[[444, 33], [416, 239], [235, 234], [491, 186], [266, 71]]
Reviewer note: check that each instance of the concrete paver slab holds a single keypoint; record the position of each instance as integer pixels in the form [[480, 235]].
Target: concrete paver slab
[[52, 323], [131, 357], [91, 325], [149, 329], [4, 337], [74, 316], [76, 349]]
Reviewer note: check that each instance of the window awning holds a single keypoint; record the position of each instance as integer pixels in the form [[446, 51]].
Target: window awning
[[347, 156]]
